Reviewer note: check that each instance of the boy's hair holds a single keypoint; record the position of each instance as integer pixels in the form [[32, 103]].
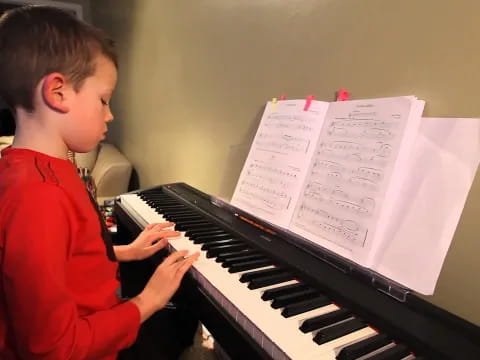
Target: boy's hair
[[38, 40]]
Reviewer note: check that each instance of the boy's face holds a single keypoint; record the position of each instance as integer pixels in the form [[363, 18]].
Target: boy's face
[[89, 110]]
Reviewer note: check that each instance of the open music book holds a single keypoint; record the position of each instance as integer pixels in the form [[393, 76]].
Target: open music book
[[341, 175]]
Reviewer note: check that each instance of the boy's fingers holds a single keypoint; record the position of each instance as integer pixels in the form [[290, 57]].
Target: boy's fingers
[[163, 225], [187, 263], [152, 237], [176, 256], [159, 226], [169, 233], [150, 226], [159, 244]]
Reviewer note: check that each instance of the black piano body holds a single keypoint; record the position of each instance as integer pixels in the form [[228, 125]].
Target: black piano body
[[428, 331]]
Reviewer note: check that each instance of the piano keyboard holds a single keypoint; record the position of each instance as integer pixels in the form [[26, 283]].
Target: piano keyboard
[[284, 315]]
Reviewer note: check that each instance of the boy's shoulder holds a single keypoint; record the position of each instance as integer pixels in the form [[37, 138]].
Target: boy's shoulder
[[25, 174], [25, 170]]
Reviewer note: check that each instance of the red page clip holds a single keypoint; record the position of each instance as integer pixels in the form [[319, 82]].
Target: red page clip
[[308, 102], [343, 95]]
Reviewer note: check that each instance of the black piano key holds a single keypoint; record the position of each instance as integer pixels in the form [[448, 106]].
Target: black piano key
[[167, 204], [327, 319], [173, 217], [304, 306], [214, 252], [283, 290], [224, 256], [168, 208], [192, 234], [159, 197], [190, 223], [193, 222], [184, 217], [270, 280], [216, 243], [249, 265], [290, 299], [182, 211], [210, 238], [184, 227], [251, 275], [179, 212], [229, 261], [396, 352], [164, 202], [336, 331], [363, 347]]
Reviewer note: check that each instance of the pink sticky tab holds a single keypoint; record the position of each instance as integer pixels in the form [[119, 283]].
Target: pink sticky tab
[[283, 97], [308, 102], [343, 95]]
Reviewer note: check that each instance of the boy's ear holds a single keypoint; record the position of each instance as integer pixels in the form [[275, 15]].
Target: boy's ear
[[54, 92]]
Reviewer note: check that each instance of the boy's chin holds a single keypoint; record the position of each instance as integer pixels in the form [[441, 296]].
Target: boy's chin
[[84, 148]]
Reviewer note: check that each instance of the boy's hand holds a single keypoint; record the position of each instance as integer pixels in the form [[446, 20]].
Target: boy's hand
[[153, 238], [163, 283]]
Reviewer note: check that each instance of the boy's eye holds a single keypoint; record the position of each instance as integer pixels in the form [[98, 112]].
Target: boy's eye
[[104, 102]]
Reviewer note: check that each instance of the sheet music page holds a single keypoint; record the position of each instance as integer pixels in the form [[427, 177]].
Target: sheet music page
[[350, 173], [443, 166], [276, 165]]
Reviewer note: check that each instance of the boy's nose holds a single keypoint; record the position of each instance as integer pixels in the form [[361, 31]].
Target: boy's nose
[[109, 116]]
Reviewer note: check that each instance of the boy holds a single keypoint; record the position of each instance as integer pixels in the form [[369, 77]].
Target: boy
[[57, 285]]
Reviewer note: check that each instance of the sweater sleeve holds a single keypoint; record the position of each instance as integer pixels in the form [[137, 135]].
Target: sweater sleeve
[[41, 311]]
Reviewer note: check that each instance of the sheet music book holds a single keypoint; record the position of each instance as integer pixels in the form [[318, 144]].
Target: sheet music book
[[338, 174]]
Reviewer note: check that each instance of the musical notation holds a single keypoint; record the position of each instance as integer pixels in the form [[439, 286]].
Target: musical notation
[[269, 201], [354, 174], [336, 227], [380, 148], [347, 179], [278, 160], [280, 145], [263, 189], [259, 170], [289, 127], [316, 190], [267, 186], [281, 141], [363, 125], [357, 207]]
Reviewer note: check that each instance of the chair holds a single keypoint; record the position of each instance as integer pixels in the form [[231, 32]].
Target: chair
[[110, 170]]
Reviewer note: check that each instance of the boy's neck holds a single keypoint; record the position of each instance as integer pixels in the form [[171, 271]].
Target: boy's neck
[[32, 132]]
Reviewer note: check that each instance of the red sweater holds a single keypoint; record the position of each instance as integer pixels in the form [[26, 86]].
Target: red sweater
[[57, 286]]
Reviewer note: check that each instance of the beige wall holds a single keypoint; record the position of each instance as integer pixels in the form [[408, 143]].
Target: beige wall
[[194, 76]]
